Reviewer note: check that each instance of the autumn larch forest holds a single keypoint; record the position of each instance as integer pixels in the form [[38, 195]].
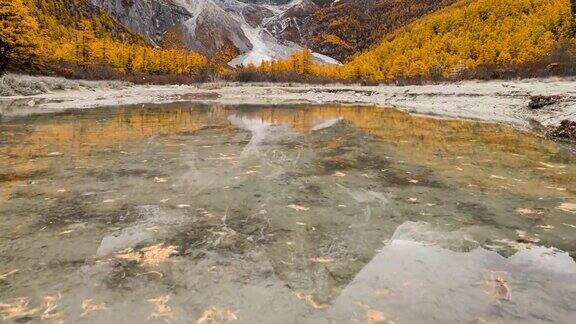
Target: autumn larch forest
[[388, 40]]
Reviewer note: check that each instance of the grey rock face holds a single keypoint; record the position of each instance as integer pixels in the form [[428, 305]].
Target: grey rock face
[[150, 18], [260, 30]]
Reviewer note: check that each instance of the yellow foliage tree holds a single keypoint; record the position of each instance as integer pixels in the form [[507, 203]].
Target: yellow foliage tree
[[18, 33]]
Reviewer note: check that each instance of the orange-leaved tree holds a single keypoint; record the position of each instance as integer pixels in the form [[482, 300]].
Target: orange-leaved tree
[[18, 33]]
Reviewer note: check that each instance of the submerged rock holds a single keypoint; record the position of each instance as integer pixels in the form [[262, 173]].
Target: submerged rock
[[566, 131], [537, 102]]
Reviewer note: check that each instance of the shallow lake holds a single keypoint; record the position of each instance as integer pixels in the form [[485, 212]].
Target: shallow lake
[[296, 214]]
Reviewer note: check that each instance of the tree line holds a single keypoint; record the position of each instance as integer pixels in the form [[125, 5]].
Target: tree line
[[466, 36]]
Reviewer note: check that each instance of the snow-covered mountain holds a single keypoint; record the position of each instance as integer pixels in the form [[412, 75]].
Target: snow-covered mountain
[[259, 29]]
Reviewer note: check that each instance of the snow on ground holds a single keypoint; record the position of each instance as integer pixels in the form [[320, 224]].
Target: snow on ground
[[493, 101]]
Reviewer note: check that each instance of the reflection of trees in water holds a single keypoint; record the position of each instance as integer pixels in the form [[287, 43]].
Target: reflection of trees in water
[[78, 136]]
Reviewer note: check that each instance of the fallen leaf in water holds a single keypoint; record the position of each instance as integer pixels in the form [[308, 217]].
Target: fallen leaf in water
[[6, 275], [55, 154], [149, 256], [66, 232], [322, 260], [183, 206], [300, 223], [548, 165], [89, 306], [216, 315], [107, 201], [546, 227], [556, 188], [413, 200], [413, 181], [160, 180], [339, 174], [17, 309], [568, 207], [501, 288], [161, 309], [374, 317], [251, 172], [525, 211], [50, 306], [569, 225], [497, 177], [298, 208]]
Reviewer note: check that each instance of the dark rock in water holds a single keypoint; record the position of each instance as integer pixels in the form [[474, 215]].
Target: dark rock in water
[[537, 102], [566, 131]]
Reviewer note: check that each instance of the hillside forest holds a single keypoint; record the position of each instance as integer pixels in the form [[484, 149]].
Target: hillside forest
[[457, 39]]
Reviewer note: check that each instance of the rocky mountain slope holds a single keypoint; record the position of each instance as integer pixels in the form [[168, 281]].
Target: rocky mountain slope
[[207, 25], [267, 29]]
